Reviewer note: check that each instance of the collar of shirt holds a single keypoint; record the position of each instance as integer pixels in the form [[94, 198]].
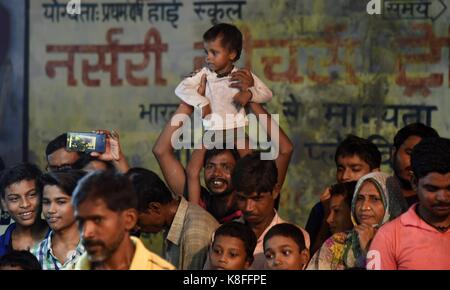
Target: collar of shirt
[[410, 218], [205, 196], [44, 252], [143, 259], [234, 215], [141, 255], [79, 250], [276, 220], [212, 76], [174, 233]]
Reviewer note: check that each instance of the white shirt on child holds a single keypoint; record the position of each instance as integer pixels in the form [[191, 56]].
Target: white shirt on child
[[220, 95]]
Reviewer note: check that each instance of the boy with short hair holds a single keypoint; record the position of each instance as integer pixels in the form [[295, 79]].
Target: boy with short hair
[[23, 203], [232, 247], [339, 218], [285, 249], [212, 88]]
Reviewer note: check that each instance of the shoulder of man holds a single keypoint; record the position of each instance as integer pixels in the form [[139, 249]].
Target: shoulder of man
[[159, 263]]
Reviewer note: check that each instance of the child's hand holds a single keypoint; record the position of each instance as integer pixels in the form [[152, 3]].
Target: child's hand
[[242, 80], [242, 98], [206, 110], [202, 88]]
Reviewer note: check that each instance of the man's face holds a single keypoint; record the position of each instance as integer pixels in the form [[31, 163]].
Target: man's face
[[61, 159], [102, 229], [22, 202], [218, 170], [57, 208], [256, 207], [351, 168], [402, 158], [339, 219], [433, 191]]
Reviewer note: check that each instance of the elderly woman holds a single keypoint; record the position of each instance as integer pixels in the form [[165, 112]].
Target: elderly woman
[[377, 200]]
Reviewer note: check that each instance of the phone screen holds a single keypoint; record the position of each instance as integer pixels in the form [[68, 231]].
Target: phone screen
[[86, 142]]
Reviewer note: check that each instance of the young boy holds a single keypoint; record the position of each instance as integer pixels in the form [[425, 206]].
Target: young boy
[[339, 218], [284, 248], [213, 89], [232, 247], [23, 203]]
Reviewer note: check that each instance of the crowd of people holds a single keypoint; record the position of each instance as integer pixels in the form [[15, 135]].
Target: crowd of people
[[89, 210]]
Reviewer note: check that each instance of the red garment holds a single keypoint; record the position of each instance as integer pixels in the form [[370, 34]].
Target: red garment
[[235, 215]]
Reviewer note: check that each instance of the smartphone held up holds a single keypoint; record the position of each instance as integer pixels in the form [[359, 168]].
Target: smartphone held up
[[86, 142]]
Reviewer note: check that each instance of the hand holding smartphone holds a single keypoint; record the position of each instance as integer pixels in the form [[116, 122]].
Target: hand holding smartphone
[[86, 142]]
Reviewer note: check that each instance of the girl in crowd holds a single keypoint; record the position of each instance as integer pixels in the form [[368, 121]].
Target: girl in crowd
[[63, 244]]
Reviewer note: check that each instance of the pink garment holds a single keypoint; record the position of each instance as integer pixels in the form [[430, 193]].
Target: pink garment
[[409, 243], [259, 262]]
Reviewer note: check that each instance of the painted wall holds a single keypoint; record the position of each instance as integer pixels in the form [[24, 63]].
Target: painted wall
[[333, 68], [12, 86], [12, 72]]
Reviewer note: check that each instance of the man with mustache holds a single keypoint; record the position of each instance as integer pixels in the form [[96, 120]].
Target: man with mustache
[[420, 238], [57, 156], [219, 199], [106, 211], [404, 142]]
